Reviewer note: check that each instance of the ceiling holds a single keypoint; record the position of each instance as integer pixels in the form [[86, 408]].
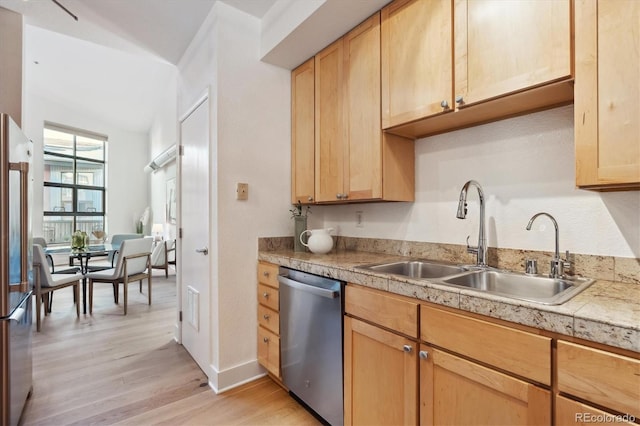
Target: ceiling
[[154, 28], [79, 64]]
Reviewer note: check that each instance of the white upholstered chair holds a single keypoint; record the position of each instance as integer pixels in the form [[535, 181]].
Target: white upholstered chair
[[160, 256], [133, 264], [46, 283]]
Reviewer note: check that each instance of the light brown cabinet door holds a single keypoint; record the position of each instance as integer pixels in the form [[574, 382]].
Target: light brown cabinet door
[[607, 93], [329, 147], [570, 412], [363, 155], [602, 377], [417, 58], [303, 133], [456, 391], [269, 351], [505, 46], [380, 376]]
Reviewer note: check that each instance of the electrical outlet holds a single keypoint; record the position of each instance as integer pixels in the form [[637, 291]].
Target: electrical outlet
[[242, 191], [359, 220]]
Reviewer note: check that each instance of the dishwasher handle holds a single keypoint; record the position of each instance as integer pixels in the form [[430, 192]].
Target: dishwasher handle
[[319, 291]]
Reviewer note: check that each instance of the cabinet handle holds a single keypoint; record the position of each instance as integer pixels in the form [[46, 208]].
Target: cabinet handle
[[424, 354], [407, 348], [460, 100], [265, 295], [266, 316], [265, 339], [310, 198], [444, 104]]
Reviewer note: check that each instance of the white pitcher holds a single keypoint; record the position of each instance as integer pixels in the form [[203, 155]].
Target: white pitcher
[[320, 242]]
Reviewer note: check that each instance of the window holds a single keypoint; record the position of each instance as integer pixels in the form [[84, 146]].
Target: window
[[74, 183]]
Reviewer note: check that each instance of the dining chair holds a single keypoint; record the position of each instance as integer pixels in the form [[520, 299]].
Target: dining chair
[[46, 283], [43, 243], [160, 255], [116, 240], [133, 264]]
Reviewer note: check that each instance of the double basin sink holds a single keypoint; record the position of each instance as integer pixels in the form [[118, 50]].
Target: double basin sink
[[532, 288]]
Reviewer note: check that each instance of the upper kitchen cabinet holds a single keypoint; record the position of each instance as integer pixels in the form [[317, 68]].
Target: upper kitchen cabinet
[[329, 147], [303, 133], [354, 161], [607, 93], [503, 47], [417, 60], [491, 59]]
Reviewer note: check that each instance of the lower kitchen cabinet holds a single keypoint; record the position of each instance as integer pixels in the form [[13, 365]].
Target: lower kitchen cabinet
[[380, 376], [380, 358], [570, 412], [269, 351], [457, 391], [603, 378], [269, 318]]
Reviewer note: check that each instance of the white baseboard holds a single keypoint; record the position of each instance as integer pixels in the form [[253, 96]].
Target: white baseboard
[[224, 380]]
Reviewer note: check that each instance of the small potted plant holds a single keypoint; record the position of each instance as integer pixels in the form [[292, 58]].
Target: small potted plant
[[299, 215]]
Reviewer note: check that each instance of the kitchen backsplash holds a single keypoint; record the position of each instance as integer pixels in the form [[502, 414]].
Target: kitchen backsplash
[[608, 268]]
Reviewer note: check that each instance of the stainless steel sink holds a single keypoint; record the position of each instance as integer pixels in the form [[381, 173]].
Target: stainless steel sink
[[548, 291], [416, 269]]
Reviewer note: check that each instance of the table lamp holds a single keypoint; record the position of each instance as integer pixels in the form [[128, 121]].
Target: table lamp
[[156, 230]]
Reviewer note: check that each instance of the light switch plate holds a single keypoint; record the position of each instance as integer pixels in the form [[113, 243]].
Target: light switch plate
[[242, 191]]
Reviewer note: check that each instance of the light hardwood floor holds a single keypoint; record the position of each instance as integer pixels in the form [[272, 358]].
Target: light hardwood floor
[[127, 370]]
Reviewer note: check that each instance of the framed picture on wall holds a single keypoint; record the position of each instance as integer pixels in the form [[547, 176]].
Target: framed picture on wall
[[171, 201]]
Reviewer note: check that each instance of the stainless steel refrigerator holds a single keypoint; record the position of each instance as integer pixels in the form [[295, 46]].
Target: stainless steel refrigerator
[[16, 273]]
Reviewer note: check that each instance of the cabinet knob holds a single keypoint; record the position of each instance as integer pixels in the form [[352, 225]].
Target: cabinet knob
[[459, 100], [265, 273], [444, 104], [310, 198], [265, 339], [339, 196], [423, 354], [266, 317], [265, 295], [407, 348]]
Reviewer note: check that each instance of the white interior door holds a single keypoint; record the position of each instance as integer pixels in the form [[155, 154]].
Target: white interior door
[[195, 242]]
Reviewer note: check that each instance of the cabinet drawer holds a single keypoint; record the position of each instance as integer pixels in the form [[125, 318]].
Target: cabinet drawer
[[268, 274], [387, 310], [269, 319], [269, 351], [518, 352], [570, 412], [269, 296], [601, 377]]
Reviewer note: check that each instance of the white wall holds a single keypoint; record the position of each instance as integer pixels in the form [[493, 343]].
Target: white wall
[[127, 154], [525, 165], [250, 143], [162, 135]]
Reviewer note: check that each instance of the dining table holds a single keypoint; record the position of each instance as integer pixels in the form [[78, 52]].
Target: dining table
[[83, 256]]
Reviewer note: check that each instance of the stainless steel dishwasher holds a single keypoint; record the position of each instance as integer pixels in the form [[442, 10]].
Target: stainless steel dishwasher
[[311, 312]]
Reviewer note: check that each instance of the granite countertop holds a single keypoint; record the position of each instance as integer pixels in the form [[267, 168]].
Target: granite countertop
[[607, 312]]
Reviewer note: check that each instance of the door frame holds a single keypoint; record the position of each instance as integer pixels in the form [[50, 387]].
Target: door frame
[[204, 97]]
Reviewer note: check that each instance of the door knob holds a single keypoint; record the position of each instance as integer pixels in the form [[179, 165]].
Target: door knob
[[204, 251]]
